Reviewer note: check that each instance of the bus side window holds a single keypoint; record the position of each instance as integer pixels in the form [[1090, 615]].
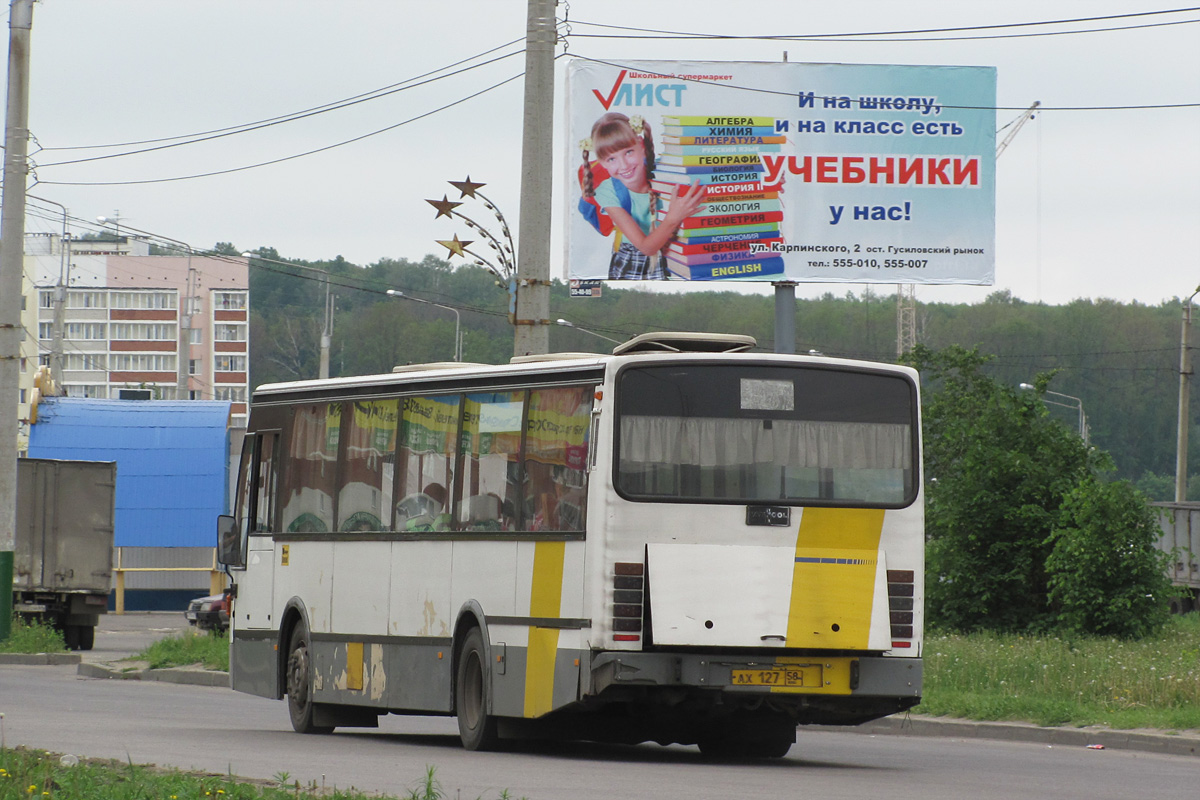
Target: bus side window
[[556, 445], [491, 441], [308, 483], [365, 481], [425, 462], [242, 511], [264, 489]]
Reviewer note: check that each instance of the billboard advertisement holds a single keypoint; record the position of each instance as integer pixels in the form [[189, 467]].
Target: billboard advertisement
[[683, 170]]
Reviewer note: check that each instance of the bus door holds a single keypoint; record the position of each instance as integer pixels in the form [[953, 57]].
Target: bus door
[[252, 606]]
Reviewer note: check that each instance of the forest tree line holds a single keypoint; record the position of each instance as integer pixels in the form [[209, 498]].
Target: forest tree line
[[1120, 359]]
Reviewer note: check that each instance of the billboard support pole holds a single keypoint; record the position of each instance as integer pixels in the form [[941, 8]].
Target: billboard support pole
[[785, 317]]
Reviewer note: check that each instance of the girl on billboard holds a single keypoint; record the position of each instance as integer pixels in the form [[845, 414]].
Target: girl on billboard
[[617, 191]]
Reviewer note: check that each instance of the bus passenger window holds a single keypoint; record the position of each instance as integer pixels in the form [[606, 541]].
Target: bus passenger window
[[425, 455], [365, 490], [312, 457], [490, 448], [556, 443], [264, 517]]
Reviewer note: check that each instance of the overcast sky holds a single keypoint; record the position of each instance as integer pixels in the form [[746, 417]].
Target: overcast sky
[[1090, 203]]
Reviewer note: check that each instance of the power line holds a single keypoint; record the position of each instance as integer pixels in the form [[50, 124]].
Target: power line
[[661, 34], [260, 126], [777, 92], [286, 158]]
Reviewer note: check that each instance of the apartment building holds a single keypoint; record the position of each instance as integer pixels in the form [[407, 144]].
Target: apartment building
[[134, 325]]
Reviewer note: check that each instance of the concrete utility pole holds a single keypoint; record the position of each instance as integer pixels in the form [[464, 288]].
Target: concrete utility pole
[[60, 293], [1185, 416], [183, 380], [12, 266], [326, 333], [533, 257]]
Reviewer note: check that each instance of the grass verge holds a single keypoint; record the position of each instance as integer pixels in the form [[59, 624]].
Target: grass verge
[[36, 774], [1054, 680], [33, 636], [208, 649]]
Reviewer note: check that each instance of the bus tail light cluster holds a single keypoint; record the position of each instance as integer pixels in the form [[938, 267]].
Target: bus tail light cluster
[[629, 583], [900, 606]]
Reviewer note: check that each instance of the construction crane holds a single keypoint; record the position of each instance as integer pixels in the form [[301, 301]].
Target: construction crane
[[1025, 117]]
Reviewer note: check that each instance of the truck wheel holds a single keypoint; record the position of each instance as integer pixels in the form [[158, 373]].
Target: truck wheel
[[299, 677], [87, 637], [71, 636], [472, 691]]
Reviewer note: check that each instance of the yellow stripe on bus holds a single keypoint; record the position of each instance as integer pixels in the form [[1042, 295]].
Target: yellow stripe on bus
[[545, 600], [833, 579]]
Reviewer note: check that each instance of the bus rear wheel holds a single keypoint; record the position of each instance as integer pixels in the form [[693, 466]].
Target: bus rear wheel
[[472, 692], [299, 678]]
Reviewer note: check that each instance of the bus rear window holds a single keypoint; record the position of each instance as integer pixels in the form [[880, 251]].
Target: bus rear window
[[766, 434]]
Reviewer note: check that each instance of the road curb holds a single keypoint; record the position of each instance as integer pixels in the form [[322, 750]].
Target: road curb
[[1176, 744], [184, 675], [40, 659]]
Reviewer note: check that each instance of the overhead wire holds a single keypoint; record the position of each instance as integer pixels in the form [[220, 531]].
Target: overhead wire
[[314, 151], [317, 274], [779, 92], [279, 121], [332, 105], [658, 33]]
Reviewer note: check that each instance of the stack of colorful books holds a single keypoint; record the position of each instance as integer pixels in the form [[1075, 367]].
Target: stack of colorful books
[[739, 214]]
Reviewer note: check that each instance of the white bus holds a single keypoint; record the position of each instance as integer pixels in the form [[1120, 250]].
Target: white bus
[[683, 541]]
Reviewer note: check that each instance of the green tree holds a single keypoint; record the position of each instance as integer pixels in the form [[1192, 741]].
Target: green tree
[[1105, 575], [998, 469]]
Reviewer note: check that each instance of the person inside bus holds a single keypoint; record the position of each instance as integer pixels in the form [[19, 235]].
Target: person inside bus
[[425, 511]]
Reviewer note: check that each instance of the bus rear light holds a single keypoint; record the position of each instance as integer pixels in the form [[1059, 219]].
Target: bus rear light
[[900, 604], [629, 583]]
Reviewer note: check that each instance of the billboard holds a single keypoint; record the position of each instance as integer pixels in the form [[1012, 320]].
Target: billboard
[[857, 173]]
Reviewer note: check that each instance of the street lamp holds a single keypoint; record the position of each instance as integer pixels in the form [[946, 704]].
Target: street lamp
[[1077, 405], [457, 318], [568, 324]]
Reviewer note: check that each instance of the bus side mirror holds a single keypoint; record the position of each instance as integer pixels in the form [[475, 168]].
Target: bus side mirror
[[229, 543]]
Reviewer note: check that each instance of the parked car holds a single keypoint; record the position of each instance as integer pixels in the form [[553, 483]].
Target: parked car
[[209, 613]]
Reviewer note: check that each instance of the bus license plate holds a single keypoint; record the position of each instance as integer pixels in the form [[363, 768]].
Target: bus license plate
[[797, 676]]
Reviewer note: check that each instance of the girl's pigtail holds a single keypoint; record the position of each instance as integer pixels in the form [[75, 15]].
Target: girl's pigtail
[[589, 190], [642, 129]]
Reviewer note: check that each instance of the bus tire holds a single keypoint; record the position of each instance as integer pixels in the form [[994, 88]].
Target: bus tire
[[472, 692], [299, 683]]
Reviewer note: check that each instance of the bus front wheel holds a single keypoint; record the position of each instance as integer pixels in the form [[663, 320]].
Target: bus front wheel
[[476, 727], [299, 684]]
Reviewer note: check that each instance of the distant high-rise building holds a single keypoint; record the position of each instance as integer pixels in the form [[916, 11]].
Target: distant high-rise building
[[176, 326]]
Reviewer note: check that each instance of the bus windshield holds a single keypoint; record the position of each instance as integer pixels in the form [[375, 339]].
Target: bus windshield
[[766, 434]]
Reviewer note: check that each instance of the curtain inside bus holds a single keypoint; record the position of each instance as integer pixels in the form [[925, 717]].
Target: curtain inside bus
[[766, 434]]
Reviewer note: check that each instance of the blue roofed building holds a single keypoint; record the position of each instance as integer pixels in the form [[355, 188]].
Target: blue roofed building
[[173, 479]]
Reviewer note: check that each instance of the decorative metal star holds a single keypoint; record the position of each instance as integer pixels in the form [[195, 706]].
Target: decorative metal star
[[456, 247], [444, 206], [467, 188]]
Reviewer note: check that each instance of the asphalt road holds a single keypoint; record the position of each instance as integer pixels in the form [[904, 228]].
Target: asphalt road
[[119, 637], [217, 730]]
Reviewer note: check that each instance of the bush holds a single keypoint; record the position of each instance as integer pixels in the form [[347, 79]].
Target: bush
[[1105, 575], [1021, 533], [33, 636]]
